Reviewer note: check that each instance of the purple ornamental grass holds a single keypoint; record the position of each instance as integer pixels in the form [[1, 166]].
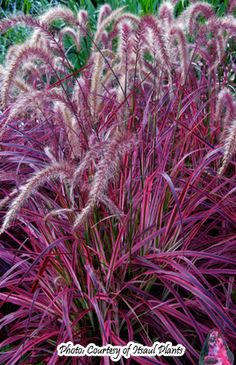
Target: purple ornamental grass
[[118, 185]]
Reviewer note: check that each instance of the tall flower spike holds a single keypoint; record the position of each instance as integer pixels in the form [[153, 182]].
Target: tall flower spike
[[178, 33], [58, 12], [126, 17], [25, 53], [72, 33], [63, 170], [33, 99], [71, 128], [96, 83], [229, 24], [90, 156], [106, 169], [229, 146], [104, 11], [82, 17], [190, 15], [105, 23], [124, 51], [220, 42], [225, 100], [166, 12], [162, 40]]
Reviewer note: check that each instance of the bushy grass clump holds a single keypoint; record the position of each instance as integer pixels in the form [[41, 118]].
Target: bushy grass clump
[[118, 183]]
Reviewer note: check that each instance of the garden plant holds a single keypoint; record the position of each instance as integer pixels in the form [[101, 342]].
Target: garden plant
[[117, 183]]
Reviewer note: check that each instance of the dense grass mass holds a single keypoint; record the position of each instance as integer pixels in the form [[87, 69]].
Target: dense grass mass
[[118, 182]]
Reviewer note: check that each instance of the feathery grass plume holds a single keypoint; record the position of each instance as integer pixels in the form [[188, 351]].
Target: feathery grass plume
[[228, 24], [220, 43], [70, 123], [104, 11], [41, 31], [166, 12], [177, 33], [27, 20], [90, 156], [62, 170], [161, 37], [33, 99], [106, 168], [11, 52], [96, 84], [189, 16], [224, 101], [105, 23], [124, 53], [25, 53], [232, 5], [72, 33], [131, 18], [221, 25], [79, 96], [82, 23], [78, 32], [229, 146], [59, 12], [111, 206]]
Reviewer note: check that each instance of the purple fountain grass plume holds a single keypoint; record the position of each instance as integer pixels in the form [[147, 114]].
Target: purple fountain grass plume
[[232, 5], [79, 96], [59, 12], [70, 123], [34, 99], [220, 45], [106, 168], [177, 33], [111, 206], [41, 28], [72, 33], [105, 23], [126, 17], [105, 41], [21, 85], [25, 53], [123, 44], [229, 146], [80, 29], [166, 12], [11, 52], [104, 11], [82, 17], [96, 84], [224, 101], [161, 37], [224, 24], [82, 24], [27, 20], [229, 24], [91, 155], [62, 170], [189, 16], [124, 53]]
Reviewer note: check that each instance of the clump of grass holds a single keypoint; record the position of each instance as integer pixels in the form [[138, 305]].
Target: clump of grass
[[116, 225]]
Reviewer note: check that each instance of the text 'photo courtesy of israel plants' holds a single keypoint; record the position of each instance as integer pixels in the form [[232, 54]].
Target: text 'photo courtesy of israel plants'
[[118, 184]]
